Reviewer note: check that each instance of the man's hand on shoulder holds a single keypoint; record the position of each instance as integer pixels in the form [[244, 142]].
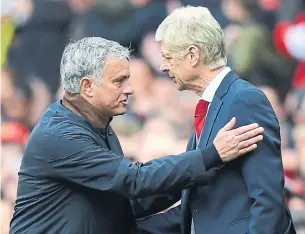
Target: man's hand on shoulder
[[231, 143]]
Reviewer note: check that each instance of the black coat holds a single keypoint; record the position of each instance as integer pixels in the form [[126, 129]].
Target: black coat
[[74, 179]]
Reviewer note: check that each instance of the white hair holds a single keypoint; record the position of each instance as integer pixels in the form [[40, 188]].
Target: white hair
[[190, 25], [87, 57]]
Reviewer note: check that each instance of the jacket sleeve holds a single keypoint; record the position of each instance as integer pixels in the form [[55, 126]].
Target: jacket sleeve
[[262, 169], [146, 206], [79, 159], [151, 205], [162, 223]]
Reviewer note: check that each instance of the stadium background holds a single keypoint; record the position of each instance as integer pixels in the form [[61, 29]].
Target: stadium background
[[265, 43]]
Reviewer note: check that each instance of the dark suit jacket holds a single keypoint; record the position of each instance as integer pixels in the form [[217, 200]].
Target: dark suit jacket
[[246, 195], [74, 179]]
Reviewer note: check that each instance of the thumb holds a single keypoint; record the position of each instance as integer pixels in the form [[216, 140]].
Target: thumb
[[230, 124]]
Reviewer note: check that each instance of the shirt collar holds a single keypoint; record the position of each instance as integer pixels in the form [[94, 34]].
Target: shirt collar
[[209, 92]]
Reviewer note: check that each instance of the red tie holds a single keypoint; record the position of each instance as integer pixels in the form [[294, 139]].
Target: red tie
[[200, 114]]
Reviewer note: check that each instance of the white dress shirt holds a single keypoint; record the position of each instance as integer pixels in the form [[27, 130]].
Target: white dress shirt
[[209, 92]]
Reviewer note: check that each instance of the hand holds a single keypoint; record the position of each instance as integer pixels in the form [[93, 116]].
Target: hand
[[231, 144]]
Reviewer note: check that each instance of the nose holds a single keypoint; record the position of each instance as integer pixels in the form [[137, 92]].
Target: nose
[[163, 67], [128, 90]]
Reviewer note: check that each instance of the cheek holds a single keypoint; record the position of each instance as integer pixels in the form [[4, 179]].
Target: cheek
[[104, 95], [179, 70], [174, 68], [113, 97]]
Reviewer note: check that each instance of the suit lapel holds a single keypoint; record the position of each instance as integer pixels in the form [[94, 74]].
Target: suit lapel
[[215, 108]]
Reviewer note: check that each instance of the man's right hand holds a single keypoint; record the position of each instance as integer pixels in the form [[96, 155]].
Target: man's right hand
[[231, 143]]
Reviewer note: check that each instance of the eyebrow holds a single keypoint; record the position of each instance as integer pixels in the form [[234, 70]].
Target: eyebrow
[[165, 54], [121, 77]]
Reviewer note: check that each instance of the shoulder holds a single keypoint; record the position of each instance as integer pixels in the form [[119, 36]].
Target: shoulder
[[56, 123], [244, 96], [58, 136], [244, 91]]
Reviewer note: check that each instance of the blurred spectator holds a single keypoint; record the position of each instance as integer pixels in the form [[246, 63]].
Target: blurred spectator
[[6, 216], [289, 9], [129, 22], [160, 132], [295, 105], [286, 128], [80, 6], [214, 7], [142, 78], [297, 191], [14, 133], [39, 39], [7, 86], [41, 99], [14, 136], [17, 98], [251, 50], [289, 39], [7, 29]]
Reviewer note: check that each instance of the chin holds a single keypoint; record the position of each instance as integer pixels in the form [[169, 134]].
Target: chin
[[180, 87], [121, 111]]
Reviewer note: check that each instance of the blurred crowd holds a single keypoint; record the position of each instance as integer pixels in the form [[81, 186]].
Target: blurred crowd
[[265, 44]]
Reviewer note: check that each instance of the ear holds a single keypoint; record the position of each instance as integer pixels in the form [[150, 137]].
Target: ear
[[193, 55], [86, 86]]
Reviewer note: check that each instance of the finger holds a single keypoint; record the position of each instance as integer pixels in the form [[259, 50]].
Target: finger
[[247, 150], [246, 128], [251, 134], [252, 141], [230, 124]]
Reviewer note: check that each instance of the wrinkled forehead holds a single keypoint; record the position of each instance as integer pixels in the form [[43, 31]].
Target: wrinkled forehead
[[165, 51]]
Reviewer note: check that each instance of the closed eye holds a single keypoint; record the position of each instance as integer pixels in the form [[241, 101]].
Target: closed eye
[[121, 79]]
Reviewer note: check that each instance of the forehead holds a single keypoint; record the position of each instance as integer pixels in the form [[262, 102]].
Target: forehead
[[165, 50], [117, 67]]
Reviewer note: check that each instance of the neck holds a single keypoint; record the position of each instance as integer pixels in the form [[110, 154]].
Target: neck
[[79, 105], [204, 79]]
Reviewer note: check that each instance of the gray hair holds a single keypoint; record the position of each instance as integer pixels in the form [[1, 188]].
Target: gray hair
[[194, 26], [87, 57]]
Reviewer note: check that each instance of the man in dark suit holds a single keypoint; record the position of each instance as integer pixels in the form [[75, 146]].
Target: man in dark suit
[[73, 176], [244, 196]]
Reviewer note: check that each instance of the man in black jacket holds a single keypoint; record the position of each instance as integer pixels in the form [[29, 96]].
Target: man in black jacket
[[74, 178]]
